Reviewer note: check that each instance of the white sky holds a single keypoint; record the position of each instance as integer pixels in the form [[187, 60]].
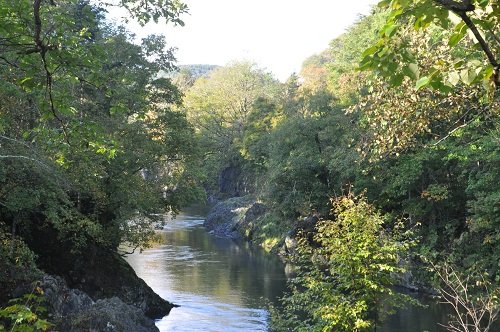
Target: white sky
[[277, 34]]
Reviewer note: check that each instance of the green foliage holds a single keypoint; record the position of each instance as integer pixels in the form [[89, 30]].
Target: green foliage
[[156, 10], [450, 21], [89, 139], [346, 272], [402, 116], [220, 107], [25, 314], [13, 253], [345, 52]]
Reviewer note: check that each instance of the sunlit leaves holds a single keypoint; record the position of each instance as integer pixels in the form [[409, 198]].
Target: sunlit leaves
[[386, 56], [145, 11], [345, 271]]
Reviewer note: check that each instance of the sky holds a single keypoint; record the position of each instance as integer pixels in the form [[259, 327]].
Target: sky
[[278, 35]]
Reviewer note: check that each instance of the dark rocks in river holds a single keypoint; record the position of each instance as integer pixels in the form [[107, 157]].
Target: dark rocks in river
[[108, 275], [96, 289], [109, 315], [234, 217], [73, 310], [100, 273]]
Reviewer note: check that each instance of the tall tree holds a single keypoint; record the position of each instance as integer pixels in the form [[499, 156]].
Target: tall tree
[[85, 104]]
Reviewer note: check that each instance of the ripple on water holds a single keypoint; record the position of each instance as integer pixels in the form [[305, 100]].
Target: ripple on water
[[202, 314], [218, 284]]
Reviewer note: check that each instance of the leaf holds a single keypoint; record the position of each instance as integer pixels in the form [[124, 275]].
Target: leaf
[[396, 80], [68, 110], [422, 82], [24, 80], [412, 71], [453, 78], [487, 72], [390, 29], [383, 4], [370, 51], [468, 76], [366, 63], [440, 86], [455, 39]]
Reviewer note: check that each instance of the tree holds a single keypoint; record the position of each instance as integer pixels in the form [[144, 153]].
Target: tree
[[88, 134], [473, 299], [345, 272], [418, 48], [219, 106], [390, 56]]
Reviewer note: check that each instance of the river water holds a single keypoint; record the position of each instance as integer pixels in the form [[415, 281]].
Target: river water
[[223, 285], [219, 284]]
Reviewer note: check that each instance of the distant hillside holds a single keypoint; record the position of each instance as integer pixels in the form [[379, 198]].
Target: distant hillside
[[197, 70], [194, 71]]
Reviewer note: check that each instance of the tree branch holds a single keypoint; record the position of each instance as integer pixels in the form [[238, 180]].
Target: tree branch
[[486, 49], [461, 8], [457, 6], [24, 157], [42, 49]]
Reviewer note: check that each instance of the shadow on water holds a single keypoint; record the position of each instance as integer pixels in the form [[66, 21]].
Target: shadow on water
[[220, 284], [223, 285]]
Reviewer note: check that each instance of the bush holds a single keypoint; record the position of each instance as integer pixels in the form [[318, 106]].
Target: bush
[[346, 272]]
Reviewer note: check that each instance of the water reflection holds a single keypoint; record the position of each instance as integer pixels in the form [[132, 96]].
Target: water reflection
[[221, 285]]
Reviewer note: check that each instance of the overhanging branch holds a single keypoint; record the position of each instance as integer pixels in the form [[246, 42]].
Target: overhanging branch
[[461, 8]]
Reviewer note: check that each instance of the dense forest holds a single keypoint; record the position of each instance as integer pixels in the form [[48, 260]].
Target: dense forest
[[375, 166]]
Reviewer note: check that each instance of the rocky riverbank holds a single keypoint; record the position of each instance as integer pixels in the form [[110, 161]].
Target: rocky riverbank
[[74, 310], [227, 218], [95, 290], [246, 218]]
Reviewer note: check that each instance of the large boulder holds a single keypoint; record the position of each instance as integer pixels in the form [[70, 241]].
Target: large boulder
[[109, 315], [107, 275], [223, 218], [63, 301], [101, 273], [73, 310]]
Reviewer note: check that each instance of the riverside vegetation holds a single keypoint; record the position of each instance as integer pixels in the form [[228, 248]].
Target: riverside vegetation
[[375, 166], [90, 152]]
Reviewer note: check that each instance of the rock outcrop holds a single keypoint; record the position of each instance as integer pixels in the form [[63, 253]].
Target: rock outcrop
[[74, 311], [61, 300], [109, 275], [225, 216], [108, 315], [100, 273]]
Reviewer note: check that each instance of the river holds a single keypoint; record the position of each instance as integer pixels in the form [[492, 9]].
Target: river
[[223, 285]]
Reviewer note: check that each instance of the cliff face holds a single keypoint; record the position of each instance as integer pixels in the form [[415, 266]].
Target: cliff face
[[75, 311], [100, 273], [92, 289]]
